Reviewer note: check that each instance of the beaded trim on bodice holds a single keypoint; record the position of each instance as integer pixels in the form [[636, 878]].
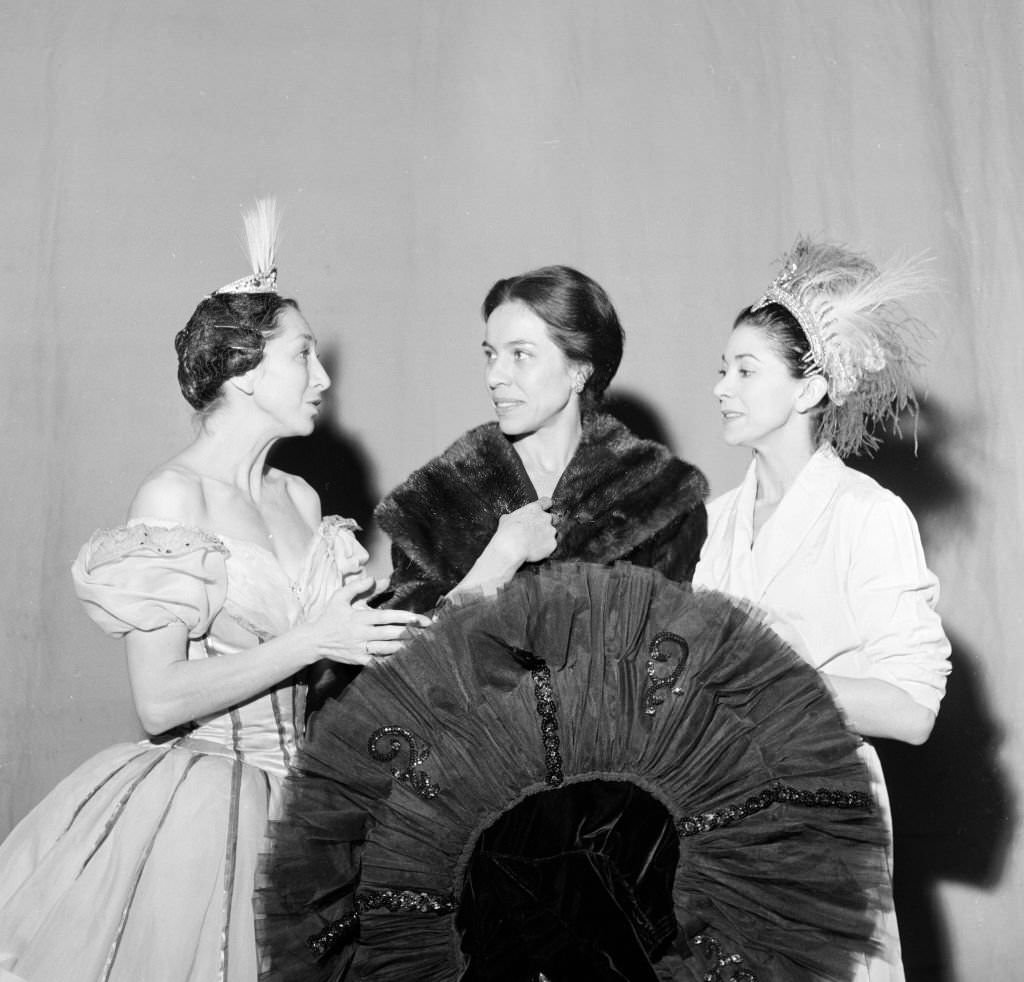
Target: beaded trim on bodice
[[109, 545]]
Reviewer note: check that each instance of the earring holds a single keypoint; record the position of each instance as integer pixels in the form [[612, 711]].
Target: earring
[[578, 384]]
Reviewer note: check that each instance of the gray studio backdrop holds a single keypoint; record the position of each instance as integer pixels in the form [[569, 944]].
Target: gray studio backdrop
[[420, 150]]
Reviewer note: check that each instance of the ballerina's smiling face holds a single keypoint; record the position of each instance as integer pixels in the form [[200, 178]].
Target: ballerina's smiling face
[[531, 382]]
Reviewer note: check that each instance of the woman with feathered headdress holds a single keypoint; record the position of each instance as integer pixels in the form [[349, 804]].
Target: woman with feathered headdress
[[809, 372], [225, 583]]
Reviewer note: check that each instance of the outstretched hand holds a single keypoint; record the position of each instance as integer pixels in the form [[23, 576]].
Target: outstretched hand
[[351, 632]]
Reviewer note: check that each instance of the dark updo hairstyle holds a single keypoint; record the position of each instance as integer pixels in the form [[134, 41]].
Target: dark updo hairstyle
[[790, 343], [580, 318], [224, 337]]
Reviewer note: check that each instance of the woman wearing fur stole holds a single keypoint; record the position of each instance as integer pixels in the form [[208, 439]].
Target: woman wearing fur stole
[[554, 477]]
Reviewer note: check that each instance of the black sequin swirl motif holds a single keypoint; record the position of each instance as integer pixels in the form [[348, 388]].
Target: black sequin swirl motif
[[652, 693], [722, 962], [775, 795], [419, 750], [345, 929]]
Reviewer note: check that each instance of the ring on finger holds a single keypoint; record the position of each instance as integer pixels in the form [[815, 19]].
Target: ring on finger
[[366, 647]]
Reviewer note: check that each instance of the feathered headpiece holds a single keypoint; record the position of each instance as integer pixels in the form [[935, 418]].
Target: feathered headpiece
[[261, 224], [862, 341]]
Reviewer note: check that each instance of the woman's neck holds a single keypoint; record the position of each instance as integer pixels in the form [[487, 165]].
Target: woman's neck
[[233, 454], [546, 453], [776, 471]]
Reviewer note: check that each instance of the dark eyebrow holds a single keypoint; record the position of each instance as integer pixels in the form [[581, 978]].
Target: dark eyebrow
[[515, 342]]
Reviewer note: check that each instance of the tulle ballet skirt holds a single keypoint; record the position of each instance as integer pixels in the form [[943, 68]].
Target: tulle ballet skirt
[[139, 866], [598, 775]]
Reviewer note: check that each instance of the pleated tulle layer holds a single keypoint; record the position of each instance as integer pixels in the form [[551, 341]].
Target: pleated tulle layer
[[559, 684], [138, 867]]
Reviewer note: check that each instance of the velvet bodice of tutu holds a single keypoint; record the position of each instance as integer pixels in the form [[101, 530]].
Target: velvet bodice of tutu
[[231, 595]]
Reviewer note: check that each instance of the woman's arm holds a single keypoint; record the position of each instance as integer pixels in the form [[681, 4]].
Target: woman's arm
[[892, 595], [169, 690], [874, 708]]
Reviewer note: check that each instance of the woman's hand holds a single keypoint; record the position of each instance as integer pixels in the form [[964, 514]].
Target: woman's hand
[[526, 535], [349, 631]]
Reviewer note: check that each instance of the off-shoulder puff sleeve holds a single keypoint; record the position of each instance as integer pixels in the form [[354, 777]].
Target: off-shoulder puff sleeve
[[142, 577], [335, 557]]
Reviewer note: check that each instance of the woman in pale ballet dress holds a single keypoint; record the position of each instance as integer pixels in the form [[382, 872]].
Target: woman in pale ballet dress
[[808, 372], [226, 584]]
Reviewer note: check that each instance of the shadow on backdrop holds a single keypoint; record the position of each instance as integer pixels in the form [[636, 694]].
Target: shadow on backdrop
[[334, 463], [953, 811], [636, 413], [339, 470]]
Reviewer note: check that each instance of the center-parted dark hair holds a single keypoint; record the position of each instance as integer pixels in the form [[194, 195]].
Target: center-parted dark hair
[[224, 337], [579, 316]]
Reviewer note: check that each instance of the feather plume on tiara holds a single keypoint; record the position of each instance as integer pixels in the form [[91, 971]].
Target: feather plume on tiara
[[261, 225], [862, 340]]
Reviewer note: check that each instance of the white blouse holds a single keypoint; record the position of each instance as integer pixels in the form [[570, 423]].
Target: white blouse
[[840, 571]]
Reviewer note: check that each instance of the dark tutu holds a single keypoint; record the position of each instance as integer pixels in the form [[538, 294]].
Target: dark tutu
[[600, 774]]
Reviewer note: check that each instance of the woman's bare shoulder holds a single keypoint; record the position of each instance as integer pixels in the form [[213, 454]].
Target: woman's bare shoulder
[[171, 493], [300, 493]]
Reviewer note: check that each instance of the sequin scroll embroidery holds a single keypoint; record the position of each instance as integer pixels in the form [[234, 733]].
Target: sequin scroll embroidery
[[416, 780], [652, 693]]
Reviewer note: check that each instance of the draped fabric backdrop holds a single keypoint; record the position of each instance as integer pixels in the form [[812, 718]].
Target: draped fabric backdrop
[[421, 150]]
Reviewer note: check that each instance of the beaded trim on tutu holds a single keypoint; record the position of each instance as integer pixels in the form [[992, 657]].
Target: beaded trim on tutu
[[597, 775]]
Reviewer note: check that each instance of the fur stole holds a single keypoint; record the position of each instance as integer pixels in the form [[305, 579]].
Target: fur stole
[[617, 493]]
